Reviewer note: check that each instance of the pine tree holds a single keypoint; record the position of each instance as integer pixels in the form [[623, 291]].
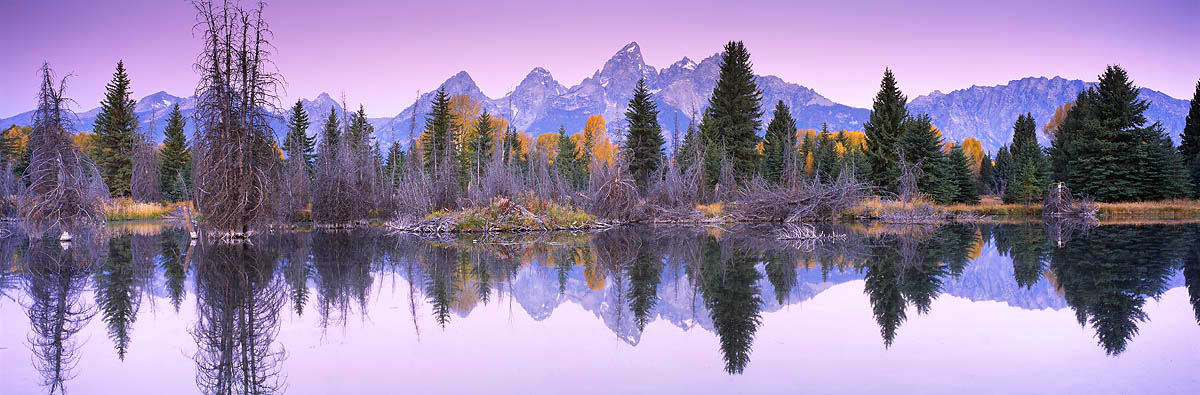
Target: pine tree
[[1104, 149], [297, 141], [1189, 146], [360, 130], [331, 133], [1004, 171], [644, 141], [176, 159], [1026, 152], [825, 159], [921, 143], [884, 130], [114, 134], [780, 139], [437, 142], [567, 161], [987, 175], [692, 142], [481, 141], [395, 164], [966, 190], [731, 119]]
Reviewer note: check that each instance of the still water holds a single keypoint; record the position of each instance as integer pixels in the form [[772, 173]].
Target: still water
[[1027, 308]]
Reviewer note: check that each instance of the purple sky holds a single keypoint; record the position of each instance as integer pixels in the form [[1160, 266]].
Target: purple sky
[[380, 53]]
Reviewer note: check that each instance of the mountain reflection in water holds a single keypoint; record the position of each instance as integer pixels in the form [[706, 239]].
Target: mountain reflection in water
[[721, 280]]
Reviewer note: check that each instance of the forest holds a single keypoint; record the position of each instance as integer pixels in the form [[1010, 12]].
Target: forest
[[465, 170]]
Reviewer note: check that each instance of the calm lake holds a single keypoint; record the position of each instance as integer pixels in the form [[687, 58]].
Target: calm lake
[[1027, 308]]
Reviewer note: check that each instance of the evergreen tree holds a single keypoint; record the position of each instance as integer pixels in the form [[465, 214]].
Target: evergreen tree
[[1104, 149], [987, 175], [1189, 146], [692, 141], [966, 190], [780, 138], [921, 143], [176, 159], [114, 134], [884, 130], [395, 164], [481, 141], [1026, 153], [297, 141], [825, 157], [360, 131], [437, 140], [568, 161], [331, 133], [1004, 171], [732, 117], [644, 141]]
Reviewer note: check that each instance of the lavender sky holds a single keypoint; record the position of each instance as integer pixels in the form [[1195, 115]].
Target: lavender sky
[[380, 53]]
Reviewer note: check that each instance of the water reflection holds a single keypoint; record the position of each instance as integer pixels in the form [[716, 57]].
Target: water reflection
[[722, 280]]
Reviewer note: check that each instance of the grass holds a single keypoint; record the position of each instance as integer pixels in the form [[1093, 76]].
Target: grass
[[991, 205], [125, 209], [712, 210]]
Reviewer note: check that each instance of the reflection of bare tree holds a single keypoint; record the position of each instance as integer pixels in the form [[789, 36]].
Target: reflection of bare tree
[[238, 300], [342, 273], [55, 279]]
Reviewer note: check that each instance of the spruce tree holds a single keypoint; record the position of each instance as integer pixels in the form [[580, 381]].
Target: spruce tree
[[733, 112], [437, 140], [331, 133], [884, 130], [1105, 150], [1004, 172], [114, 134], [360, 130], [986, 175], [395, 165], [481, 141], [567, 161], [176, 159], [297, 141], [966, 190], [779, 141], [921, 144], [1026, 152], [644, 141], [825, 159], [1189, 146]]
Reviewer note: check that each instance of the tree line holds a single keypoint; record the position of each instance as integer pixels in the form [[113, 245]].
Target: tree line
[[464, 156]]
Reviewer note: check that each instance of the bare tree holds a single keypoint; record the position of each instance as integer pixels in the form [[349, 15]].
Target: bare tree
[[293, 189], [144, 183], [65, 189], [235, 101]]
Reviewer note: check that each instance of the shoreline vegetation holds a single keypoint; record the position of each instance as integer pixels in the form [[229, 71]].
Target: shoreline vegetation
[[469, 170]]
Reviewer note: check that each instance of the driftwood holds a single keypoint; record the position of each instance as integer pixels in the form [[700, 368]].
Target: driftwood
[[808, 201], [1060, 203]]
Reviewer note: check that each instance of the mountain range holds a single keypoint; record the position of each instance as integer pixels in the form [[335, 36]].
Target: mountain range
[[541, 104]]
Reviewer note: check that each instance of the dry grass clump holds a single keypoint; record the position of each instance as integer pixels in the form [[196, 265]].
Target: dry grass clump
[[712, 210], [1161, 207], [125, 209]]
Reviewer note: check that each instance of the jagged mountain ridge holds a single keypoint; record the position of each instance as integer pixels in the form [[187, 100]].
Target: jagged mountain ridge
[[541, 104], [987, 113]]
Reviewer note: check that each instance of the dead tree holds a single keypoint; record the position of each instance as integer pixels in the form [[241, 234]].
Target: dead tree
[[337, 194], [65, 189], [293, 189], [235, 102], [144, 182], [8, 193]]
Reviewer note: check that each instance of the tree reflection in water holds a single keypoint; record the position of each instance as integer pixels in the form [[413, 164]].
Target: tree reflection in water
[[716, 279], [239, 295], [1108, 273], [54, 280]]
